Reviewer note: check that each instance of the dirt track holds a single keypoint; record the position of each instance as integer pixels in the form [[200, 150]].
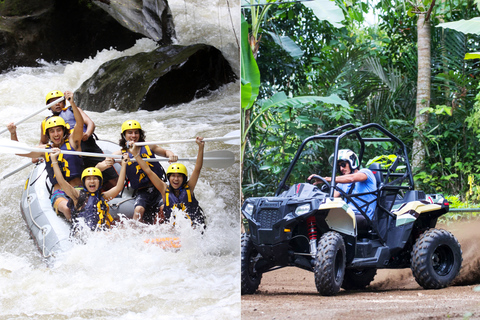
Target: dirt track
[[290, 293]]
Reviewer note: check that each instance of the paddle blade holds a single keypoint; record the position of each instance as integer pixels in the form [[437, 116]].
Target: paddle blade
[[13, 147], [218, 159], [235, 137], [166, 242]]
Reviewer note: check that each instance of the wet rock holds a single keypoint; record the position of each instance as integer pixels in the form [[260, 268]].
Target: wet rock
[[59, 30], [169, 75], [152, 18]]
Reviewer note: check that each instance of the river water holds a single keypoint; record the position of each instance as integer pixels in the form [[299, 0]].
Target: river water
[[116, 275]]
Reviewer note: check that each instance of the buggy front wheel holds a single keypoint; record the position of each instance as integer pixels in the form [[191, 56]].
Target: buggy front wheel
[[330, 262], [250, 277]]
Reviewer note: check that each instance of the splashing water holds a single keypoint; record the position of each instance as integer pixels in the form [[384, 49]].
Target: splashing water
[[115, 274]]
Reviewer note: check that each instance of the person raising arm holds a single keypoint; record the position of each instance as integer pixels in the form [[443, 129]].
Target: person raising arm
[[147, 197], [60, 137], [178, 193], [89, 203]]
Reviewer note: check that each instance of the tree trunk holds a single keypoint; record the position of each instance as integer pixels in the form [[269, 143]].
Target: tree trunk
[[423, 91]]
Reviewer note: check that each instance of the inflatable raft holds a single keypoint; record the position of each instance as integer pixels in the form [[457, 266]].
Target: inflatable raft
[[49, 231]]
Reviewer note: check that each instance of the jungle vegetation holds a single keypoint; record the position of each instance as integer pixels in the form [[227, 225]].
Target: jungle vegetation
[[304, 73]]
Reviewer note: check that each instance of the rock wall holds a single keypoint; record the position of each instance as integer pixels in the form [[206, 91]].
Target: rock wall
[[71, 30]]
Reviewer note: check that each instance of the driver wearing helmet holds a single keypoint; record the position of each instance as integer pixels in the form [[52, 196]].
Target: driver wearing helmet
[[178, 193], [353, 180]]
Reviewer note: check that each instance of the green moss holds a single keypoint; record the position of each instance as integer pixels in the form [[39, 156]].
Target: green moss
[[12, 8]]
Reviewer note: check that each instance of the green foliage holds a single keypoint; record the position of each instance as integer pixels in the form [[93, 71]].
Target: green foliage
[[456, 203], [249, 71], [375, 71], [280, 126]]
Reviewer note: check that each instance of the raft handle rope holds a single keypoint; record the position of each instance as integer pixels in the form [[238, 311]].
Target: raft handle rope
[[115, 205], [33, 182], [43, 229]]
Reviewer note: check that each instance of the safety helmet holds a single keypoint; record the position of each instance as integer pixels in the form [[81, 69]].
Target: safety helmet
[[92, 171], [53, 94], [131, 124], [177, 168], [55, 121], [346, 155]]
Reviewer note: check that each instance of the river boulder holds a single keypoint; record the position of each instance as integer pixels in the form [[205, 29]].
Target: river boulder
[[169, 75]]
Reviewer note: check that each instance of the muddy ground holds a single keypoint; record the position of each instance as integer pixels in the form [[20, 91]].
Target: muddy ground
[[290, 293]]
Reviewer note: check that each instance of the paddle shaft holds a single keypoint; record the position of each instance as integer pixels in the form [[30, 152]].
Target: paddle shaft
[[214, 159], [36, 112], [226, 138], [16, 170], [179, 159], [218, 159]]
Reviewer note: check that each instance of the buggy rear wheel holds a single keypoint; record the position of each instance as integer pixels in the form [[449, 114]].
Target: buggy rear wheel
[[329, 266], [250, 277], [436, 259]]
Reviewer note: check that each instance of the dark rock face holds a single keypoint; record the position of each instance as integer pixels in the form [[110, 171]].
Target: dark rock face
[[152, 18], [167, 76], [69, 30], [55, 30]]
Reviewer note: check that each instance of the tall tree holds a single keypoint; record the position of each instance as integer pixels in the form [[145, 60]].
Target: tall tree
[[423, 85]]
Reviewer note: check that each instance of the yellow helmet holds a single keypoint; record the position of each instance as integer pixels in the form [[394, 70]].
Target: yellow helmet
[[92, 171], [177, 168], [54, 121], [131, 124], [53, 94]]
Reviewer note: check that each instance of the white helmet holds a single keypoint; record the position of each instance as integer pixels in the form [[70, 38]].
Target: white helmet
[[346, 155]]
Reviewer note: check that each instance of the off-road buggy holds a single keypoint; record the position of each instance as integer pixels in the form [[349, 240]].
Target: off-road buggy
[[307, 227]]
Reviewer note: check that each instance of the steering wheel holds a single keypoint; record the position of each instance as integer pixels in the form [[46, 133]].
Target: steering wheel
[[325, 187]]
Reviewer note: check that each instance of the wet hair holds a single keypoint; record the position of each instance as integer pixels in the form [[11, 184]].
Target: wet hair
[[123, 142]]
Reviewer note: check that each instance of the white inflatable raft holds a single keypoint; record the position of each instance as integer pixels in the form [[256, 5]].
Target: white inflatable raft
[[50, 231]]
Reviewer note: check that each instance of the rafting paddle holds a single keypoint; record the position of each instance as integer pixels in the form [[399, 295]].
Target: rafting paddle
[[36, 112], [6, 175], [212, 159], [230, 138]]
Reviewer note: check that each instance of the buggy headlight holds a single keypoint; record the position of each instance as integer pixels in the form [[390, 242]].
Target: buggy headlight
[[304, 208], [248, 208]]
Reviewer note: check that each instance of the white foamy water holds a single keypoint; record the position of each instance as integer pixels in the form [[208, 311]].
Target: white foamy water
[[116, 275]]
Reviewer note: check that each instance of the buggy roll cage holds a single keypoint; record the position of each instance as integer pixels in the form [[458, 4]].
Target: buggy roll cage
[[349, 129]]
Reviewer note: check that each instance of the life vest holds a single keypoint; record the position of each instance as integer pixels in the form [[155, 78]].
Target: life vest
[[68, 116], [70, 165], [138, 178], [185, 201], [95, 211]]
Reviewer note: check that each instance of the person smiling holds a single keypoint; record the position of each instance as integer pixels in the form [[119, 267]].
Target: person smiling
[[178, 193], [147, 198], [59, 136], [88, 142], [89, 203]]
